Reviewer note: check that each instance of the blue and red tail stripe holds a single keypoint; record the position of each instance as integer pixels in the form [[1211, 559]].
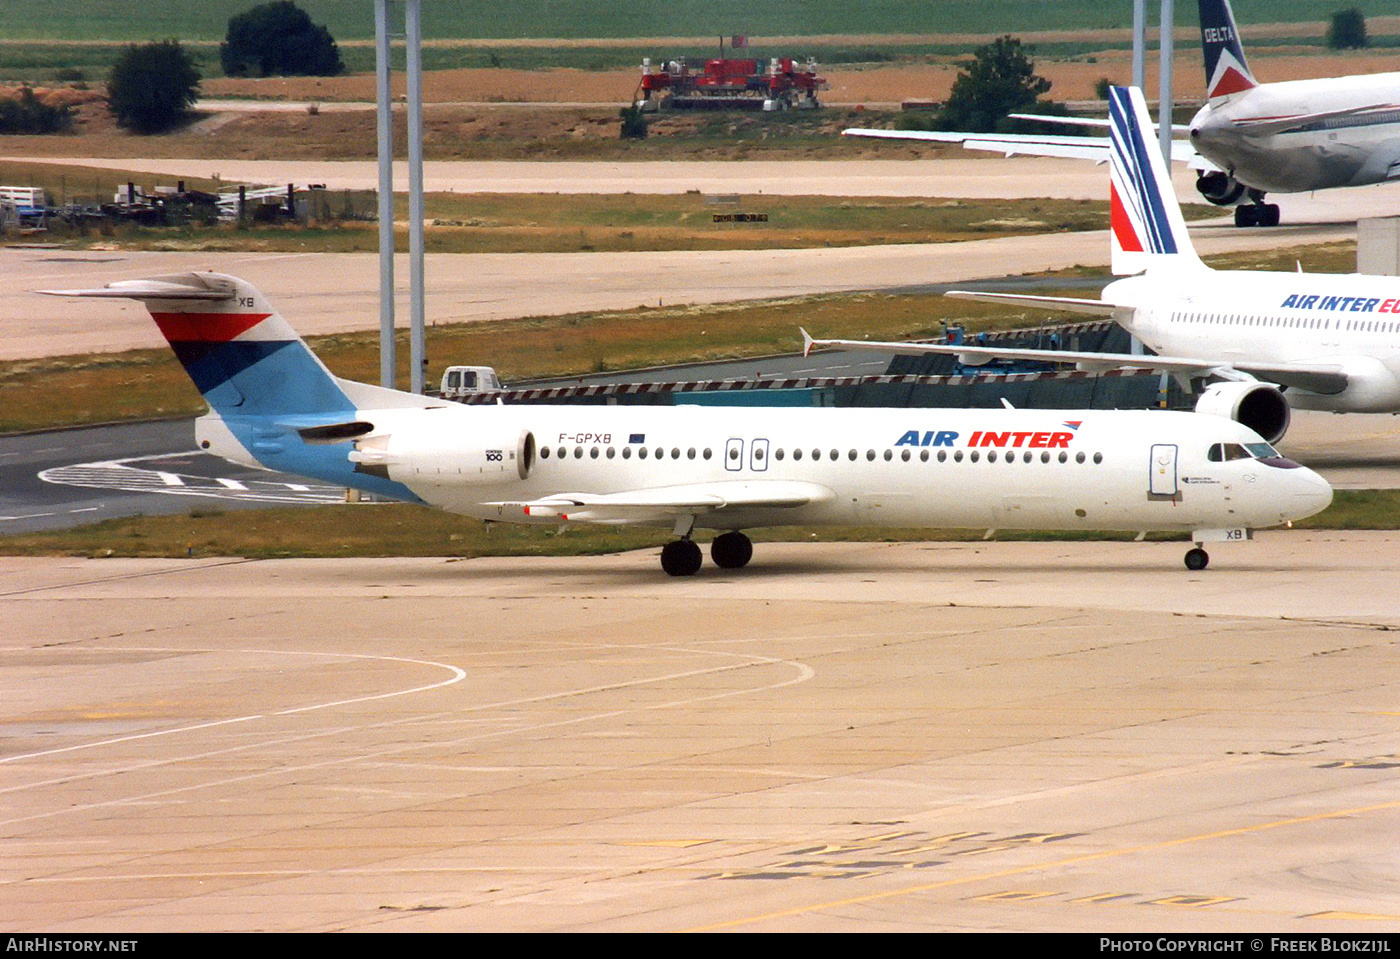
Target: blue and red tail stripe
[[239, 371], [1140, 213], [1226, 69]]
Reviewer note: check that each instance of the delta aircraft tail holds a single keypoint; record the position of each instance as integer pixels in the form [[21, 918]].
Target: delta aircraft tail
[[1226, 70], [1147, 229]]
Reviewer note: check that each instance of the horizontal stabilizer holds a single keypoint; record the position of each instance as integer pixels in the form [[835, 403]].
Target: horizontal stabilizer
[[1268, 126], [184, 286]]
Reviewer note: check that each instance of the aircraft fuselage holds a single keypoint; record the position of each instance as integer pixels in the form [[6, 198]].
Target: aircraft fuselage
[[1004, 469], [1302, 135], [1256, 319]]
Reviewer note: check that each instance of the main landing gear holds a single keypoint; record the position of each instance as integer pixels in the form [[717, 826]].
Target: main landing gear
[[682, 557], [1197, 559], [1256, 212]]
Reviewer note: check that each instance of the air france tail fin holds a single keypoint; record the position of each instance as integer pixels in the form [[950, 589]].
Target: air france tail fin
[[1147, 228], [1226, 69]]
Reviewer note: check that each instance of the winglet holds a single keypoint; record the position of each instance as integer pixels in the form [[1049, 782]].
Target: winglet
[[807, 343]]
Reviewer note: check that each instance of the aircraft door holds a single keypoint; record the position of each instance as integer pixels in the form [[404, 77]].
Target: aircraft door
[[758, 455], [1162, 480], [734, 455]]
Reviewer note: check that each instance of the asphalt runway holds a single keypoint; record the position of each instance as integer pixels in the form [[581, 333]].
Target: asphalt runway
[[58, 479], [843, 737]]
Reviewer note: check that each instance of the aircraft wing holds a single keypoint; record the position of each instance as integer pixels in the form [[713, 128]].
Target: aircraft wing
[[1326, 379], [665, 502], [1010, 144], [1100, 123], [1030, 144], [1067, 303]]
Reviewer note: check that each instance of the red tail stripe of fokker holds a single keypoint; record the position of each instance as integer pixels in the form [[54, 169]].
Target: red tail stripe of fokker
[[206, 327]]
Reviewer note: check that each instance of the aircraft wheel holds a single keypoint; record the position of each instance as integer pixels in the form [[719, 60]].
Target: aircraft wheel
[[681, 558], [1197, 559], [1246, 214], [731, 550], [1268, 214]]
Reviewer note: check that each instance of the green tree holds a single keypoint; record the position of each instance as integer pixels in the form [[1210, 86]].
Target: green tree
[[152, 86], [1347, 30], [999, 79], [278, 39], [634, 123], [26, 113]]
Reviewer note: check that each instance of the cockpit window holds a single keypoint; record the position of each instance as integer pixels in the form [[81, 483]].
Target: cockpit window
[[1225, 452], [1264, 452]]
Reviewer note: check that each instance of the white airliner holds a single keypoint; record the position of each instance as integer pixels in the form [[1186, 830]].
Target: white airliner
[[1250, 138], [1271, 340], [274, 404]]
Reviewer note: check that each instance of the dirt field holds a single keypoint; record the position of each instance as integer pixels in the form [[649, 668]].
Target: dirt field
[[1071, 79], [476, 113]]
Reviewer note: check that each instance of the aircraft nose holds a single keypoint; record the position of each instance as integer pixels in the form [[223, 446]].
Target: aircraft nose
[[1313, 493]]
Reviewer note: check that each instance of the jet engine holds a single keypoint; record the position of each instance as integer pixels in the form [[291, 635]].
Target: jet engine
[[422, 455], [1259, 406], [1219, 188]]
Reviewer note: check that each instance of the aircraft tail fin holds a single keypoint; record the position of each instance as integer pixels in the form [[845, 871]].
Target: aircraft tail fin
[[274, 403], [1146, 223], [244, 358], [1226, 70]]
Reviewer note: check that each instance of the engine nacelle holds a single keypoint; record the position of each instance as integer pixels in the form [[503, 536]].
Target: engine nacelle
[[1219, 188], [1259, 406], [419, 455]]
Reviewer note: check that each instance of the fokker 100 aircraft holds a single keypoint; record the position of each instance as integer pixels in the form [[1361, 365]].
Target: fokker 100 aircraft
[[275, 405], [1271, 340], [1250, 138]]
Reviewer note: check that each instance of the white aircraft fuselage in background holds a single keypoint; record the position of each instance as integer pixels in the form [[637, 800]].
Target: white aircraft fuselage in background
[[1333, 342], [1301, 135], [1267, 341]]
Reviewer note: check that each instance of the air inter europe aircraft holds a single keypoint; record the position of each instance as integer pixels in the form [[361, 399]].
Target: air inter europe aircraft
[[1271, 340], [275, 405], [1250, 138]]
